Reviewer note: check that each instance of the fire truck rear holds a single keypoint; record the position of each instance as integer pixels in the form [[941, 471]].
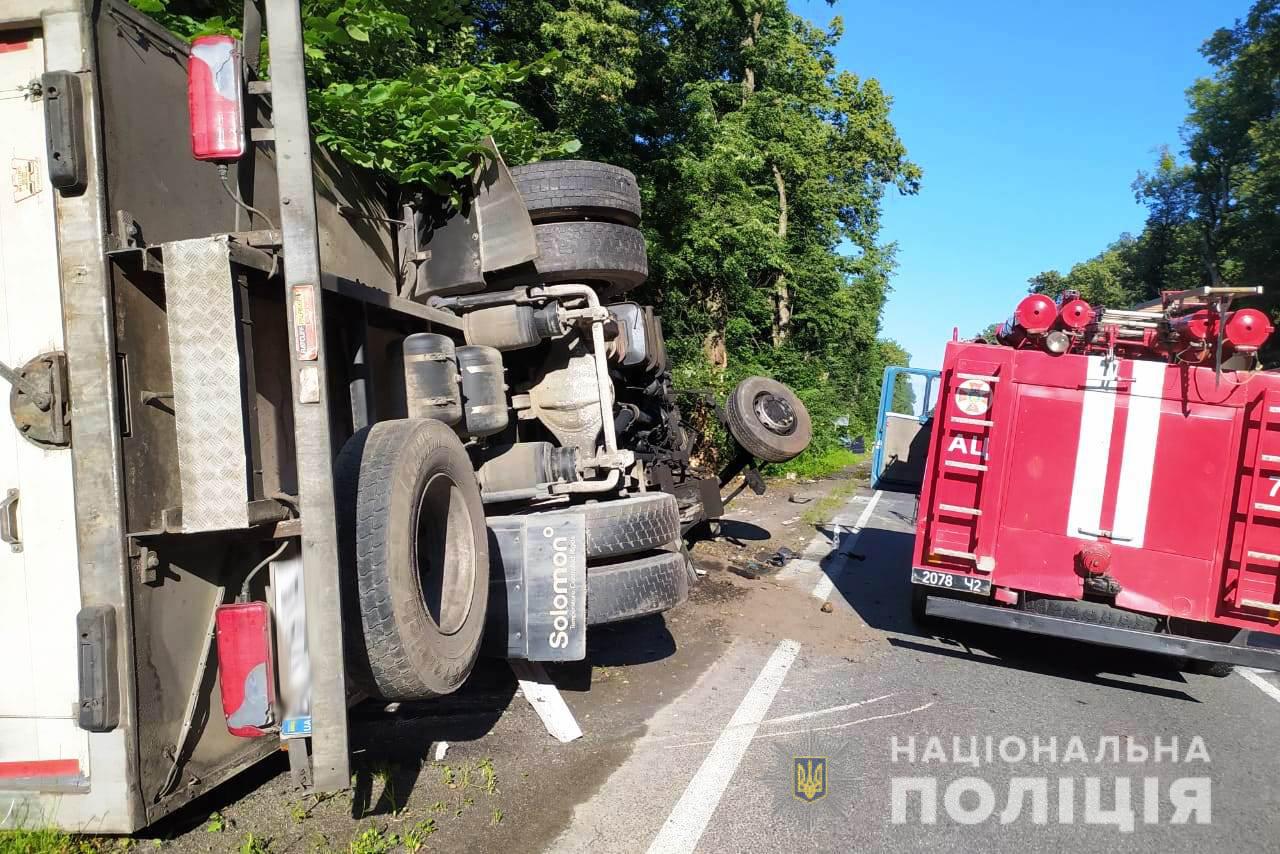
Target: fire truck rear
[[1109, 476]]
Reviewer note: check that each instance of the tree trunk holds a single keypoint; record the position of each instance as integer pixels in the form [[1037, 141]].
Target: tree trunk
[[713, 345], [781, 292], [748, 42]]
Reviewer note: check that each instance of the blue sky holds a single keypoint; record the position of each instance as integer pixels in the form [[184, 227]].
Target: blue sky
[[1030, 120]]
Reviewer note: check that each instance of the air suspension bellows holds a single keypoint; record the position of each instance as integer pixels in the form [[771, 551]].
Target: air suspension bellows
[[512, 327], [431, 378], [527, 465], [484, 394]]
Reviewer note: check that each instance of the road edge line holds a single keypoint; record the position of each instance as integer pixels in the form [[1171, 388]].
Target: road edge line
[[826, 584], [1255, 678], [689, 818]]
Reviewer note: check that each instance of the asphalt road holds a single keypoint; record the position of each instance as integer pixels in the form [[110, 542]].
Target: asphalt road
[[703, 778], [693, 723]]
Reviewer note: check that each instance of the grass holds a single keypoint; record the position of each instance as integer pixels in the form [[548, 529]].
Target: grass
[[373, 841], [828, 462], [822, 510], [416, 838], [49, 841]]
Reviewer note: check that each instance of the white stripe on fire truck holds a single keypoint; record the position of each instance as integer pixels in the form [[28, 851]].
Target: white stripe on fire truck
[[1097, 411], [1138, 461]]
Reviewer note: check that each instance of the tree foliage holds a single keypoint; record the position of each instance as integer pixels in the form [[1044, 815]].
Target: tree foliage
[[762, 166]]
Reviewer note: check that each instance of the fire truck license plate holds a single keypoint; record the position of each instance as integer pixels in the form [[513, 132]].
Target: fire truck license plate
[[950, 581]]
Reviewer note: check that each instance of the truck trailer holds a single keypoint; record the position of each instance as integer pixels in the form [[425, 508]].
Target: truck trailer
[[1109, 476], [283, 436]]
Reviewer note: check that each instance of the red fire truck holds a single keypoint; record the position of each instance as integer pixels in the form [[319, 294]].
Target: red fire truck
[[1109, 476]]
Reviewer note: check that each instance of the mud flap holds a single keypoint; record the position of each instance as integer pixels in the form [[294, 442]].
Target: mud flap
[[452, 249], [538, 588]]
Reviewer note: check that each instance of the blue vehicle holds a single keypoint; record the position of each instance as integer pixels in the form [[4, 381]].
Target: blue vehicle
[[902, 428]]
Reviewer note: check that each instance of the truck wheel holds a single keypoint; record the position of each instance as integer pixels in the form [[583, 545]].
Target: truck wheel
[[603, 254], [416, 553], [768, 420], [636, 587], [564, 189], [628, 525], [1093, 612]]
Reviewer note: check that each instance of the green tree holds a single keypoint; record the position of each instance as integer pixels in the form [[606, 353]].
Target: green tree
[[762, 166]]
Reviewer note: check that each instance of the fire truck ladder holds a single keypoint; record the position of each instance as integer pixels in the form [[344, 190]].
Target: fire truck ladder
[[975, 429], [1264, 502]]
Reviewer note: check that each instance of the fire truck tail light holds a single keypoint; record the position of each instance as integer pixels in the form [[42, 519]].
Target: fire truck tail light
[[215, 98]]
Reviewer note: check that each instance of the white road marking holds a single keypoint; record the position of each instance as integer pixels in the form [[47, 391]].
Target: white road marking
[[845, 725], [688, 820], [1260, 682], [820, 546], [544, 696], [822, 590], [827, 711]]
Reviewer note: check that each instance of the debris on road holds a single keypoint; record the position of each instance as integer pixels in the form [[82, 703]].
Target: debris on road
[[782, 557], [826, 608], [752, 569], [800, 498]]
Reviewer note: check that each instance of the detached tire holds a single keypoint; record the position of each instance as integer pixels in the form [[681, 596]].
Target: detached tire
[[565, 189], [636, 587], [768, 420], [415, 558]]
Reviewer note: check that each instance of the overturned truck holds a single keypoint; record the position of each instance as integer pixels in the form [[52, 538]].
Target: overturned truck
[[283, 436]]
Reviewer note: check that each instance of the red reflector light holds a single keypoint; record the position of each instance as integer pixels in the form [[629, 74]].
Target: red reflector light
[[215, 99], [246, 672]]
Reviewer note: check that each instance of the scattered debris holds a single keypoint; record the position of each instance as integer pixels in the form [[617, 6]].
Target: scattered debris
[[782, 557], [791, 475], [442, 747], [753, 569], [826, 608], [800, 498]]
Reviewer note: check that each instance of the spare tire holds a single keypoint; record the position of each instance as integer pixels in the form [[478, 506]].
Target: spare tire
[[415, 558], [567, 189], [636, 587], [768, 420], [605, 254], [626, 526]]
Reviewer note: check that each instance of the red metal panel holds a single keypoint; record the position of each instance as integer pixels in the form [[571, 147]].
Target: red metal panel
[[1147, 467]]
